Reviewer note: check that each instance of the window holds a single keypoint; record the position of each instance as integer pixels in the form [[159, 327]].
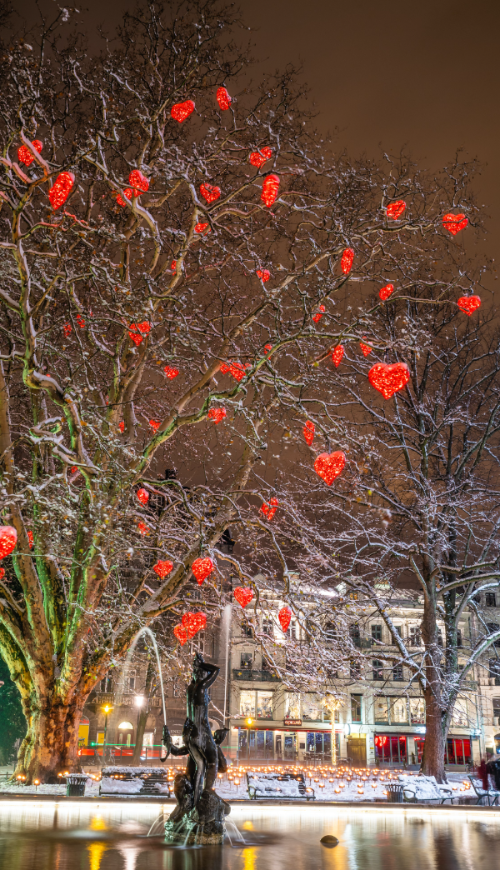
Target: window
[[247, 704], [312, 709], [399, 629], [292, 630], [495, 671], [130, 682], [459, 638], [417, 711], [397, 673], [266, 665], [355, 670], [381, 710], [491, 599], [377, 633], [356, 708], [493, 627], [391, 748], [246, 661], [398, 711], [440, 637], [267, 626], [246, 629], [106, 684], [378, 673], [292, 706], [355, 635], [264, 705], [496, 711], [459, 716], [353, 596], [414, 635]]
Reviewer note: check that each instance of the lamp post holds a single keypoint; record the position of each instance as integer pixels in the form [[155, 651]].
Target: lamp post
[[106, 710]]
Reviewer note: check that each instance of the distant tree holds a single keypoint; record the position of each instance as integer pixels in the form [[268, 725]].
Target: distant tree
[[170, 313]]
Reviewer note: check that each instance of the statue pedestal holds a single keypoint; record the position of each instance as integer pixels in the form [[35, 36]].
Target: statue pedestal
[[201, 826]]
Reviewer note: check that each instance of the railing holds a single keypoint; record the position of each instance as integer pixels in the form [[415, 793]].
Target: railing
[[254, 676]]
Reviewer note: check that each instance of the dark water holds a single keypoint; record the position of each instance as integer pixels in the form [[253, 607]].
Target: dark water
[[47, 836]]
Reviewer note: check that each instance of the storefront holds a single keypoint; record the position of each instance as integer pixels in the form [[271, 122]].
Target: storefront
[[458, 751], [391, 749], [273, 744]]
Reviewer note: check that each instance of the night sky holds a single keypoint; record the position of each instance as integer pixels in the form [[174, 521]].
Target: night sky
[[424, 76]]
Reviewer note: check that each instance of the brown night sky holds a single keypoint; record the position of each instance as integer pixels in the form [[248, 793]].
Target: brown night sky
[[387, 74]]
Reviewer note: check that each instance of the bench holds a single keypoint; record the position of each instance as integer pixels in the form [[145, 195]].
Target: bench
[[481, 792], [282, 786], [419, 789], [135, 780]]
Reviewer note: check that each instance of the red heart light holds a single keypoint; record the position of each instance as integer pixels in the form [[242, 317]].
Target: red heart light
[[127, 193], [258, 158], [8, 540], [285, 617], [270, 509], [80, 321], [243, 595], [121, 426], [142, 527], [317, 317], [211, 194], [173, 266], [194, 622], [30, 539], [216, 414], [155, 425], [389, 379], [263, 274], [267, 348], [329, 465], [67, 329], [61, 189], [181, 634], [181, 111], [138, 330], [270, 190], [171, 372], [347, 260], [337, 355], [163, 569], [454, 223], [365, 348], [24, 154], [396, 209], [223, 99], [309, 430], [200, 228], [386, 291], [139, 182], [237, 370], [2, 573], [143, 495], [202, 568], [469, 304]]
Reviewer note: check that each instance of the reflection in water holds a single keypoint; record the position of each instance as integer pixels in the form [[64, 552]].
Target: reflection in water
[[111, 836]]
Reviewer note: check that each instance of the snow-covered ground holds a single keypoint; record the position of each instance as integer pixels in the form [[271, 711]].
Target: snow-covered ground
[[326, 787]]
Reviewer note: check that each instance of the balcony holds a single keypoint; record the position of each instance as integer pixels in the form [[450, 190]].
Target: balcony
[[254, 676]]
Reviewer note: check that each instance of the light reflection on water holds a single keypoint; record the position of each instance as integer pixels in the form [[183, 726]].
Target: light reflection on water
[[83, 836]]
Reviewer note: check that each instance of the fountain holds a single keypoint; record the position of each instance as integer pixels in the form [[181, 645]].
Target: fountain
[[199, 817]]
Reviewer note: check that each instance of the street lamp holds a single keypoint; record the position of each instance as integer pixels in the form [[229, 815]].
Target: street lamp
[[106, 710], [139, 700]]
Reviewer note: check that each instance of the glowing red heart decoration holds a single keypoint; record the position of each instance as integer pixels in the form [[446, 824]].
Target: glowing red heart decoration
[[243, 595], [142, 527], [317, 317], [181, 634], [329, 465], [469, 304], [121, 426], [270, 190], [200, 228], [163, 568], [347, 260], [139, 182], [285, 618], [236, 369], [211, 194], [30, 539], [24, 154], [74, 469], [173, 266], [386, 291], [454, 223], [202, 568], [194, 622], [171, 372], [223, 99], [8, 540], [258, 158], [80, 321], [396, 209], [128, 192], [365, 348], [61, 189], [67, 329], [143, 495], [337, 355], [389, 379], [2, 573], [267, 348], [216, 414], [309, 430], [155, 425], [181, 111], [138, 330], [270, 509], [263, 274]]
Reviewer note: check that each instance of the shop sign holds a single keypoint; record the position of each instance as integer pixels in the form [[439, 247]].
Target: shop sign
[[297, 722]]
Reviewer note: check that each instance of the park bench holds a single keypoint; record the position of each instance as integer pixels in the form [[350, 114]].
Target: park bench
[[135, 781], [281, 786], [420, 789], [488, 793]]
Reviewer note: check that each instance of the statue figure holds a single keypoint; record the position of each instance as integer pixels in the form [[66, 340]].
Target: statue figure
[[199, 815]]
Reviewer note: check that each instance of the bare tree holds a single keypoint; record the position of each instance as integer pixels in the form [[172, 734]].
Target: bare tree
[[171, 259]]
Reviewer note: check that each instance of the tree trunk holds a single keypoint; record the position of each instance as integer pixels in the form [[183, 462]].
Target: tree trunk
[[433, 757], [143, 715], [51, 742]]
